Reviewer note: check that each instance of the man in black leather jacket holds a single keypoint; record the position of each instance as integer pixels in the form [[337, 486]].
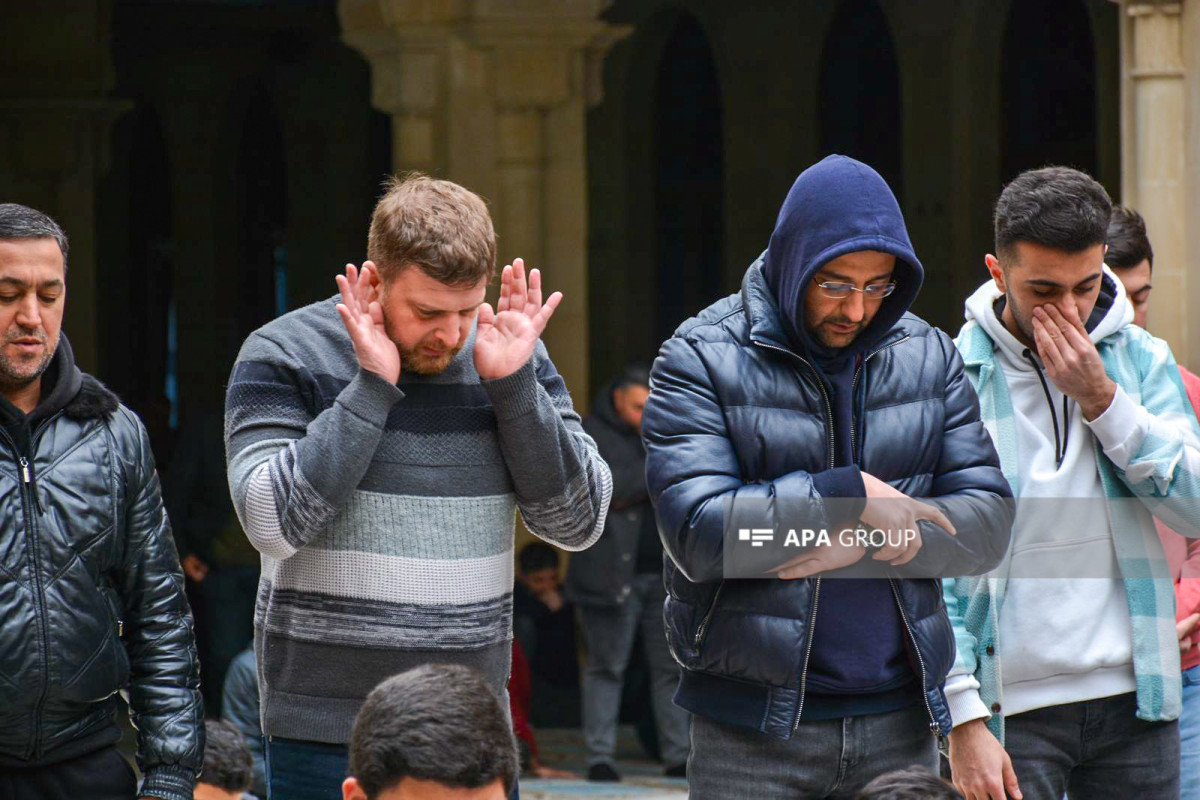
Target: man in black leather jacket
[[91, 593]]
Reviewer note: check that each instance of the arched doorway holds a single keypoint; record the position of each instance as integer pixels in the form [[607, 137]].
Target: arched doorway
[[860, 91], [136, 285], [1048, 88], [689, 177], [262, 218]]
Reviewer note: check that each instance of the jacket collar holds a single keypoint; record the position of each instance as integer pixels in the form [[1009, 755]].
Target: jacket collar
[[762, 312]]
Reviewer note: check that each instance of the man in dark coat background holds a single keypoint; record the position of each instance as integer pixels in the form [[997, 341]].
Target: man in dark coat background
[[618, 587]]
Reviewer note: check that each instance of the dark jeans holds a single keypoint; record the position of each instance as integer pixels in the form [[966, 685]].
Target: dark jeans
[[299, 770], [1093, 750], [102, 775], [824, 759]]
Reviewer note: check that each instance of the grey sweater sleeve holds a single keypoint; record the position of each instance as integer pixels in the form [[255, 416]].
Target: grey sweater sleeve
[[562, 484], [289, 473]]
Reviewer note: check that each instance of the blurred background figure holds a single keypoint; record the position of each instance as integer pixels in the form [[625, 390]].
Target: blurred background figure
[[227, 765], [1131, 257], [544, 625], [618, 586], [239, 707], [221, 565]]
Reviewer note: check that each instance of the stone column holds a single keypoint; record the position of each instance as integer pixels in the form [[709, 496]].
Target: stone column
[[493, 95], [1157, 164]]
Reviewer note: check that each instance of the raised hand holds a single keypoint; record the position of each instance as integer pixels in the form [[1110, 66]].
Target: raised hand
[[505, 338], [1071, 360], [363, 318]]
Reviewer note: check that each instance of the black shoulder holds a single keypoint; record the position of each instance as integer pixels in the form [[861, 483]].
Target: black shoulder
[[94, 401]]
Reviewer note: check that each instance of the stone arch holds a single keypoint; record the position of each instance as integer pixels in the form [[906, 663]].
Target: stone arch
[[261, 200], [859, 96]]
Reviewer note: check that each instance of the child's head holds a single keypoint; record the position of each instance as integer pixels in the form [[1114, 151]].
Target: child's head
[[436, 732], [909, 784], [538, 567], [228, 769]]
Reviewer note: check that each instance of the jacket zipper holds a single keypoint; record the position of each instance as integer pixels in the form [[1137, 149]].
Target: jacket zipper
[[28, 487], [711, 608], [43, 633], [812, 617], [933, 724], [812, 621], [854, 382]]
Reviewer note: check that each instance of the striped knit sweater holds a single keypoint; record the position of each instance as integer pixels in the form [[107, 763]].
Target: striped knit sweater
[[385, 513]]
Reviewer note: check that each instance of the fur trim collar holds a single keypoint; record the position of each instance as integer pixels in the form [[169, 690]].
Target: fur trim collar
[[94, 401]]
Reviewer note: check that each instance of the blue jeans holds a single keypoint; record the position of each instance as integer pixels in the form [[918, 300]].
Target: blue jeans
[[299, 770], [831, 758], [1093, 750], [1189, 735]]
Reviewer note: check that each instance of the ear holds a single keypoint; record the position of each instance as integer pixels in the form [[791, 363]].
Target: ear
[[374, 280], [995, 270], [352, 790]]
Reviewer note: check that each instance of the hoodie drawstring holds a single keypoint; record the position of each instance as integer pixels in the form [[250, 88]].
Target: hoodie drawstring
[[1059, 454]]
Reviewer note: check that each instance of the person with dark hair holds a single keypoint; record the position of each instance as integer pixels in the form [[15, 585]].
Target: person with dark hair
[[618, 588], [544, 625], [1067, 671], [436, 732], [812, 398], [379, 445], [91, 598], [909, 784], [227, 765], [1132, 259]]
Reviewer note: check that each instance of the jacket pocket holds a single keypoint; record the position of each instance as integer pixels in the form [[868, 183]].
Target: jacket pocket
[[106, 670], [702, 629]]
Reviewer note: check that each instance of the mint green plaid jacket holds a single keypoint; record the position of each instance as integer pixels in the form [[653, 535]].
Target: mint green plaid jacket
[[1161, 457]]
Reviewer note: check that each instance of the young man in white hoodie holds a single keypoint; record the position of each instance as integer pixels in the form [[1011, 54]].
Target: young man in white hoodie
[[1066, 679]]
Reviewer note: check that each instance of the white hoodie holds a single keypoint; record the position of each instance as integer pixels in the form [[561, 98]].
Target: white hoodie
[[1064, 639]]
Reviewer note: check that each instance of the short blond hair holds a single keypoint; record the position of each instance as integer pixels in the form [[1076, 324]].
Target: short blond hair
[[438, 226]]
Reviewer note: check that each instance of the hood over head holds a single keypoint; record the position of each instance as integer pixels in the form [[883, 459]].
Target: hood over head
[[1112, 312], [835, 207]]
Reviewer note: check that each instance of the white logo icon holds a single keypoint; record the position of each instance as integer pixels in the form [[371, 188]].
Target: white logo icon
[[756, 536]]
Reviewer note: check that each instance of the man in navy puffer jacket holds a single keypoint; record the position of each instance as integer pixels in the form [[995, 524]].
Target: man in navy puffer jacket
[[814, 384]]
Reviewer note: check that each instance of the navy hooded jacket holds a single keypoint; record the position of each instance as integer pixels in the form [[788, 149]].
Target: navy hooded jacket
[[743, 406]]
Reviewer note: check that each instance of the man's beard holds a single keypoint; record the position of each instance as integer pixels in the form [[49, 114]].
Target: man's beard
[[820, 332], [19, 373], [413, 360]]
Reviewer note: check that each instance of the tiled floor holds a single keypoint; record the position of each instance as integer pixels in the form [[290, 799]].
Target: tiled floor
[[563, 749]]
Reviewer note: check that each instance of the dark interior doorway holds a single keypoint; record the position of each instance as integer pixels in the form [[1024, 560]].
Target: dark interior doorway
[[689, 180], [860, 91], [1048, 88]]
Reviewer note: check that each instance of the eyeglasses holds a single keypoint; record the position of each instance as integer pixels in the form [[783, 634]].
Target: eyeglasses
[[840, 291]]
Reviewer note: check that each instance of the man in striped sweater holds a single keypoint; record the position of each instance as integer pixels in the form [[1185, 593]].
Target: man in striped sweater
[[378, 449]]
